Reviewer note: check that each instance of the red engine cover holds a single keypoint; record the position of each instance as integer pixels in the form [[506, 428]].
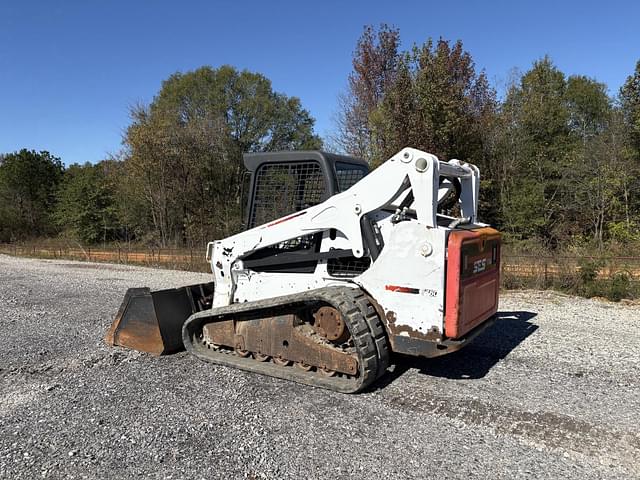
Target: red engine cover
[[473, 279]]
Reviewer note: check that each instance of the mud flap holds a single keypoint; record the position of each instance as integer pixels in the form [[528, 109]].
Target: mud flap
[[152, 321]]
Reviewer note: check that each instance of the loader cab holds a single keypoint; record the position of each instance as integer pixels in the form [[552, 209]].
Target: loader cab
[[281, 183]]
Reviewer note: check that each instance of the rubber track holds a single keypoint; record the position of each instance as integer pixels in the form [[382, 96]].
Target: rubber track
[[360, 316]]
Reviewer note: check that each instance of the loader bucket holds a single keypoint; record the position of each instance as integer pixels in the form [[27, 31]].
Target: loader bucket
[[152, 321]]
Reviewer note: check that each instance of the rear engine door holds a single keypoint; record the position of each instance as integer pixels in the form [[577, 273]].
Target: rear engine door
[[473, 279]]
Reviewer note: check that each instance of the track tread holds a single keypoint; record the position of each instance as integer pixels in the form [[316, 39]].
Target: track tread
[[361, 317], [376, 330]]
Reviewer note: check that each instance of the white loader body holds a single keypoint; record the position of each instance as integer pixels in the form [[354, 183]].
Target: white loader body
[[407, 279]]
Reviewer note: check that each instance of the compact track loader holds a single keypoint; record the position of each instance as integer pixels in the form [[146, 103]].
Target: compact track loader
[[338, 268]]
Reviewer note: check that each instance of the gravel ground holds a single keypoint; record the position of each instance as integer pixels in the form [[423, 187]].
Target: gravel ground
[[550, 391]]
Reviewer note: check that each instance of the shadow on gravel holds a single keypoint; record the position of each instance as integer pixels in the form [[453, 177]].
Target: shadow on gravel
[[476, 359]]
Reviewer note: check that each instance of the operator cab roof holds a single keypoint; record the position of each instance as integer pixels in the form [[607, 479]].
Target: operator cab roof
[[253, 160]]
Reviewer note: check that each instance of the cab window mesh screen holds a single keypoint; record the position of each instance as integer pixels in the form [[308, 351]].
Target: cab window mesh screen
[[348, 175], [282, 189], [348, 266]]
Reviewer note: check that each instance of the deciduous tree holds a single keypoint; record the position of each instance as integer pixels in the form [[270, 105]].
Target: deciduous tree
[[375, 63], [185, 148]]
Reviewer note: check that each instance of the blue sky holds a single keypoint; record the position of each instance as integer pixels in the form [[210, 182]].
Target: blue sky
[[69, 70]]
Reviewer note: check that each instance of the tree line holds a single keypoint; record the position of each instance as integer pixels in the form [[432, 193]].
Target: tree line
[[559, 156]]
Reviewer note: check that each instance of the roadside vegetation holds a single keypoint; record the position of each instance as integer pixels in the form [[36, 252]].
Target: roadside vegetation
[[559, 156]]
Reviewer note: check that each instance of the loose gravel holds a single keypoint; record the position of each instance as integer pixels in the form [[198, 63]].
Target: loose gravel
[[551, 390]]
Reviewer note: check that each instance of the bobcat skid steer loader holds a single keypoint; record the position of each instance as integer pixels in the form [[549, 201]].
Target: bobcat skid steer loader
[[339, 267]]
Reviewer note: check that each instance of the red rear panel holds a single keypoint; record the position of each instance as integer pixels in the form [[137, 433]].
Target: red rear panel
[[473, 279]]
